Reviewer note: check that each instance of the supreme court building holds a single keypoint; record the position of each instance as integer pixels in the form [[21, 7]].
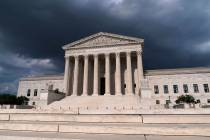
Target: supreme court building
[[105, 70]]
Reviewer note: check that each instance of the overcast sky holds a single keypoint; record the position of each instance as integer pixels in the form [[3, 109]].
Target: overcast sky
[[32, 32]]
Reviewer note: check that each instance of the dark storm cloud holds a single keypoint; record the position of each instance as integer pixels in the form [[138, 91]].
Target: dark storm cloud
[[176, 32]]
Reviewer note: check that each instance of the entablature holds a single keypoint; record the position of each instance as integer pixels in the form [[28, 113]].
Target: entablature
[[104, 50]]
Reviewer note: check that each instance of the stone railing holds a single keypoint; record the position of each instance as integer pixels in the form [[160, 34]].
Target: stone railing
[[15, 107], [49, 96]]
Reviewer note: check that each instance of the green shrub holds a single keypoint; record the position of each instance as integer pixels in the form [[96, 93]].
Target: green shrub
[[185, 99], [21, 100]]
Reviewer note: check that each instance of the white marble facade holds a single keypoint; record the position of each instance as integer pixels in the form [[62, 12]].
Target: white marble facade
[[33, 86], [106, 70], [103, 64]]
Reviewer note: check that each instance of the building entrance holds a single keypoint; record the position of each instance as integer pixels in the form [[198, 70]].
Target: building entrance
[[102, 86]]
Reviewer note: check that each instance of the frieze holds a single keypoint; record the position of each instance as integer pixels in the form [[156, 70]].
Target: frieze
[[104, 46], [102, 50]]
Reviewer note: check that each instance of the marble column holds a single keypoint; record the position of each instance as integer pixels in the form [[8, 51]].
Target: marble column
[[139, 68], [85, 80], [129, 74], [107, 74], [95, 76], [118, 75], [66, 75], [76, 76]]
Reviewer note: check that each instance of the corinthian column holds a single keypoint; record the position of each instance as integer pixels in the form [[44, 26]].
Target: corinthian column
[[107, 75], [129, 73], [85, 80], [140, 68], [66, 75], [95, 78], [118, 76], [76, 76]]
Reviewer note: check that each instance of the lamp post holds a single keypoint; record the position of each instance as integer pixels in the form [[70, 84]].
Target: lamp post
[[169, 98]]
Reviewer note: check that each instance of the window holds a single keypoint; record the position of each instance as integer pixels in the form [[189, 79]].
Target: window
[[156, 90], [33, 103], [208, 100], [157, 102], [28, 92], [206, 88], [195, 87], [135, 85], [185, 88], [175, 87], [124, 85], [165, 88], [35, 92]]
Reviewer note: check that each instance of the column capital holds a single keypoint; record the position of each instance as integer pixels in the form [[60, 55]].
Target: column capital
[[76, 56], [95, 55], [128, 53], [86, 56], [66, 57], [117, 54], [139, 52], [107, 54]]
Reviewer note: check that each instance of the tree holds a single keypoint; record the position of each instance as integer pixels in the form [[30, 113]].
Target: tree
[[7, 99], [185, 99], [12, 99]]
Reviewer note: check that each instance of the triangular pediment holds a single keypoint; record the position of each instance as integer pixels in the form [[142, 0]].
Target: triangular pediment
[[102, 39]]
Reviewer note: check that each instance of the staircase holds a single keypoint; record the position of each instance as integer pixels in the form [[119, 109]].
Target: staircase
[[97, 102], [39, 125]]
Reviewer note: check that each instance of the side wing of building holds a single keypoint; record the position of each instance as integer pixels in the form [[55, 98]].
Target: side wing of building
[[31, 87], [168, 84]]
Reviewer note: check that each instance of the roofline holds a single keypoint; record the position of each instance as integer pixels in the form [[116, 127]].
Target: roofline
[[66, 47], [195, 70], [43, 77]]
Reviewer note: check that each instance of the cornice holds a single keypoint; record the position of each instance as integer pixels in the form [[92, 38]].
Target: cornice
[[104, 46], [43, 77], [177, 71]]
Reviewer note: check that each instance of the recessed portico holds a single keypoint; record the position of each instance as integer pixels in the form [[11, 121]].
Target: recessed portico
[[101, 60]]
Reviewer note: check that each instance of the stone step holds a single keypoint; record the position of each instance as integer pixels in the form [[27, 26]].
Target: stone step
[[142, 129], [71, 118], [28, 126], [109, 128], [19, 135], [95, 102], [179, 119], [59, 117]]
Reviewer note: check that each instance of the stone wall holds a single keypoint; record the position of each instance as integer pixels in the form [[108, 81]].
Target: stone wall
[[39, 83], [156, 77], [179, 79]]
